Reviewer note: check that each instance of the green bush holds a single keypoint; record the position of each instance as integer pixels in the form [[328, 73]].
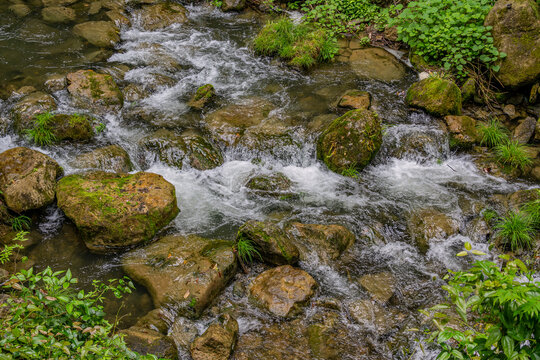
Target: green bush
[[513, 154], [46, 318], [493, 133], [449, 33], [41, 133], [301, 44]]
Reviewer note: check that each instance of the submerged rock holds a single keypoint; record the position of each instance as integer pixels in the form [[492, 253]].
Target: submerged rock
[[98, 33], [274, 185], [272, 241], [351, 141], [380, 286], [58, 14], [94, 91], [354, 99], [29, 106], [20, 10], [439, 97], [462, 130], [516, 32], [283, 290], [56, 82], [202, 97], [428, 224], [233, 5], [159, 16], [376, 64], [27, 179], [115, 211], [184, 272], [109, 158], [370, 314], [218, 341]]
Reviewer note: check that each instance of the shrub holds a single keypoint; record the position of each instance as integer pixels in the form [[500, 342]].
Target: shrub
[[47, 319], [41, 133], [499, 313], [516, 229], [449, 33], [302, 45], [513, 153], [493, 133]]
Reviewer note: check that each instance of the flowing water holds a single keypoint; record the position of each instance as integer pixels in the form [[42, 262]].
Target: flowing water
[[214, 48]]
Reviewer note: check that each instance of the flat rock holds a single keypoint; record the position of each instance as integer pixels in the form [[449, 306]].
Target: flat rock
[[109, 158], [376, 64], [159, 16], [94, 91], [98, 33]]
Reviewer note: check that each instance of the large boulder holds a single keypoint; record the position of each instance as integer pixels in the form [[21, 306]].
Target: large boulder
[[376, 64], [95, 91], [187, 149], [25, 110], [462, 130], [218, 341], [427, 224], [115, 211], [27, 179], [516, 32], [159, 16], [283, 290], [184, 272], [272, 242], [439, 97], [98, 33], [350, 141], [109, 158]]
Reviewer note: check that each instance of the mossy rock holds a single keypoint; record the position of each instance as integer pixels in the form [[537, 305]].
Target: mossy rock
[[94, 91], [185, 273], [468, 90], [233, 5], [159, 16], [25, 110], [350, 141], [202, 97], [72, 127], [109, 158], [462, 130], [58, 14], [439, 97], [116, 211], [274, 185]]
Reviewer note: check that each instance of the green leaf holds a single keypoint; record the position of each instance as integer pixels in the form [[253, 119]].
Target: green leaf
[[468, 246], [462, 253], [508, 346]]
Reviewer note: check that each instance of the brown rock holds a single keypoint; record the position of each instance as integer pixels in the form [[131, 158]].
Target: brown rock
[[354, 99], [428, 224], [94, 90], [98, 33], [380, 286], [525, 130], [159, 16], [217, 342]]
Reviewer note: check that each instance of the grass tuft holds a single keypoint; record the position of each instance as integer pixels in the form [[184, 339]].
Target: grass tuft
[[493, 133], [41, 133], [513, 153], [516, 230], [246, 250]]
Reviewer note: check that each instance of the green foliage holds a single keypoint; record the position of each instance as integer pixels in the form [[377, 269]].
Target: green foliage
[[351, 172], [101, 127], [246, 249], [302, 45], [516, 229], [489, 215], [8, 250], [41, 133], [217, 3], [532, 209], [513, 153], [449, 33], [499, 313], [20, 223], [47, 319], [493, 133]]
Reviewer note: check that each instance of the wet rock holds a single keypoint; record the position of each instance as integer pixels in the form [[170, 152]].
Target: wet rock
[[468, 90], [109, 158], [233, 5], [72, 127], [183, 331], [376, 64], [537, 131], [23, 91], [354, 99], [520, 197], [428, 224], [516, 32], [535, 173], [115, 211], [380, 286], [159, 16], [158, 56], [325, 336], [20, 10], [58, 14], [351, 141], [95, 91], [180, 150], [218, 341], [134, 92], [525, 130], [462, 130], [479, 231], [184, 272], [510, 110], [283, 290], [98, 33], [202, 97], [271, 137], [370, 314], [439, 97], [418, 145], [269, 185], [273, 243], [328, 241], [118, 17], [27, 179], [49, 3], [114, 4], [56, 83], [29, 106]]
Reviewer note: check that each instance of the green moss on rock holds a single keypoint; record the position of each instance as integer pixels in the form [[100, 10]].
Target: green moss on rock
[[439, 97]]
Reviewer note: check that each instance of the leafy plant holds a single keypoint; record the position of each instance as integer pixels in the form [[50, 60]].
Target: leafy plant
[[8, 250], [246, 250], [101, 127], [516, 229], [513, 153], [20, 223], [47, 319], [449, 33], [41, 133], [217, 3], [493, 133], [498, 309]]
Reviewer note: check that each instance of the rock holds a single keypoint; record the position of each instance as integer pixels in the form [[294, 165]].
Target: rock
[[29, 106], [510, 110], [56, 83], [525, 130], [350, 141], [23, 91], [462, 130], [50, 3], [233, 5], [188, 149], [533, 95], [535, 173], [115, 211], [27, 179], [439, 97], [468, 90], [380, 286], [479, 231], [327, 241], [185, 272], [274, 185], [183, 331], [428, 224], [134, 92], [283, 290], [20, 10], [72, 127], [202, 97], [159, 16], [354, 99], [370, 314], [95, 91], [516, 32], [273, 243], [118, 17], [376, 64], [109, 158], [98, 33], [218, 341], [537, 131], [325, 336], [58, 14]]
